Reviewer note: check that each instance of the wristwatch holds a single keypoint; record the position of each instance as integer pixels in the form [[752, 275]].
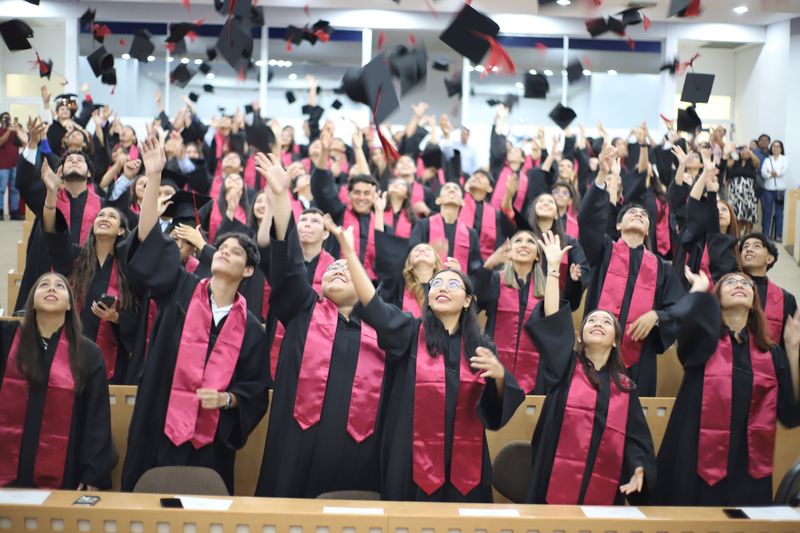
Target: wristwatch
[[228, 401]]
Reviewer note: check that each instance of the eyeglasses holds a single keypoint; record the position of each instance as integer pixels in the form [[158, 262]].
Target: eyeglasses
[[337, 267], [450, 284], [733, 282], [560, 192]]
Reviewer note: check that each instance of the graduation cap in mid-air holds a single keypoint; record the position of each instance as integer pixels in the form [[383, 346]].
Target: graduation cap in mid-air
[[260, 136], [453, 86], [16, 33], [194, 97], [562, 115], [684, 8], [181, 75], [441, 64], [410, 65], [235, 45], [688, 120], [336, 104], [208, 88], [697, 88], [536, 85], [574, 71], [290, 97], [232, 7], [100, 61], [372, 86], [109, 78], [45, 67], [204, 67], [87, 19], [467, 32]]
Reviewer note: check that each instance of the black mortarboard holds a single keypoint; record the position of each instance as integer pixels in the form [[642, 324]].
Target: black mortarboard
[[336, 104], [172, 178], [631, 16], [684, 8], [671, 66], [688, 120], [491, 102], [221, 109], [293, 35], [181, 75], [240, 8], [596, 26], [441, 64], [184, 206], [465, 33], [536, 85], [575, 71], [697, 88], [194, 97], [142, 46], [16, 33], [204, 67], [248, 108], [432, 156], [453, 86], [177, 49], [260, 136], [615, 25], [211, 53], [109, 78], [372, 85], [562, 116], [410, 65], [87, 18], [290, 97], [320, 30], [208, 88], [177, 31], [45, 67], [100, 61], [235, 45]]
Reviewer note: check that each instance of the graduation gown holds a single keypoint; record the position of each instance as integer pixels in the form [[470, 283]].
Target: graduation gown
[[90, 453], [789, 302], [598, 246], [398, 334], [421, 234], [324, 457], [37, 257], [390, 257], [554, 336], [154, 263], [678, 483]]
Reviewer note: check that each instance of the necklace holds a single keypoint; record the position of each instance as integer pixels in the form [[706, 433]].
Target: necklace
[[44, 343]]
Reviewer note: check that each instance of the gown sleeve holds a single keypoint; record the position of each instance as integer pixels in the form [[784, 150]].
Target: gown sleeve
[[31, 189], [390, 257], [788, 404], [154, 263], [288, 278], [573, 290], [592, 222], [554, 337], [326, 195], [495, 411], [95, 456], [487, 287], [475, 259], [696, 321], [638, 451], [60, 246], [206, 256], [396, 330]]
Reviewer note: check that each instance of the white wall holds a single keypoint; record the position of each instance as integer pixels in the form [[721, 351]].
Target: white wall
[[792, 138]]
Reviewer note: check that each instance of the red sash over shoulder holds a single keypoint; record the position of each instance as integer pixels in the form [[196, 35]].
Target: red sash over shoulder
[[429, 420], [572, 451], [663, 233], [90, 210], [502, 185], [410, 304], [773, 312], [571, 228], [186, 419], [351, 219], [215, 218], [488, 235], [642, 299], [51, 453], [191, 264], [313, 379], [713, 445], [402, 228], [515, 349], [105, 338], [460, 248]]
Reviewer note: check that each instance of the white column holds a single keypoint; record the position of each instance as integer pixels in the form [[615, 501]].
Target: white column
[[466, 90], [669, 51], [264, 70], [167, 84], [366, 46], [564, 78], [70, 60]]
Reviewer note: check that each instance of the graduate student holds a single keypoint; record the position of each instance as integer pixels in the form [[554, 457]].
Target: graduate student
[[448, 387], [737, 384], [627, 279], [493, 226], [54, 407], [204, 383], [591, 444], [325, 417]]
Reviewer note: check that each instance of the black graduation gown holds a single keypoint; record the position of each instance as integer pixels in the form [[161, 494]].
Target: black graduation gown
[[397, 334], [679, 483], [554, 336], [635, 190], [421, 234], [37, 257], [305, 463], [390, 257], [154, 263], [90, 452], [592, 221]]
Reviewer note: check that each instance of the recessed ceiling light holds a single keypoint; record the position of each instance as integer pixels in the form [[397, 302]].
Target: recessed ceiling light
[[126, 56], [519, 85], [273, 62], [532, 72], [548, 72], [479, 68], [151, 58], [198, 61], [292, 76], [587, 72], [287, 63], [211, 75], [185, 60], [612, 72], [563, 2], [170, 59], [741, 10]]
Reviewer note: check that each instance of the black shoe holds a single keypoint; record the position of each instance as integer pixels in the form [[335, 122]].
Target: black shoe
[[16, 215]]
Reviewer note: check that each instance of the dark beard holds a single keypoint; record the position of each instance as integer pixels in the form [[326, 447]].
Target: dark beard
[[74, 176]]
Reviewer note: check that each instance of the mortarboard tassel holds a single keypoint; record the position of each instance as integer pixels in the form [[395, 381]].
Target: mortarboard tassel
[[100, 31], [541, 47], [322, 36], [187, 5], [646, 22], [389, 150], [693, 9], [631, 43], [412, 40], [123, 42], [381, 39], [498, 57], [432, 9], [307, 10]]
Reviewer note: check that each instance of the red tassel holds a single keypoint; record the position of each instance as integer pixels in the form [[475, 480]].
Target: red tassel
[[322, 36], [498, 57], [646, 22], [192, 36], [123, 42], [432, 9], [288, 46], [240, 76], [412, 40], [100, 30], [199, 22], [187, 5], [631, 43], [586, 62], [693, 10], [665, 119], [686, 64], [541, 47], [307, 10], [389, 150], [381, 39], [170, 47], [113, 90]]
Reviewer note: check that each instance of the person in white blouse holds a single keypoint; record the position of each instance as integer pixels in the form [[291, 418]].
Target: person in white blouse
[[773, 170]]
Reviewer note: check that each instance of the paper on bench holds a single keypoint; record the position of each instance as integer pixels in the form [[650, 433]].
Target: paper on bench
[[611, 511], [23, 497], [204, 504], [771, 513]]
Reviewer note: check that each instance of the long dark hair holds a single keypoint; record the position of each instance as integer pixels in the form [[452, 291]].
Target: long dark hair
[[533, 220], [29, 359], [84, 267], [614, 363], [412, 217], [472, 336], [756, 322], [252, 221], [244, 200]]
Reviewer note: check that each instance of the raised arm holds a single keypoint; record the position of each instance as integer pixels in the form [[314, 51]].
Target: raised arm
[[551, 245], [364, 288], [154, 160], [594, 213]]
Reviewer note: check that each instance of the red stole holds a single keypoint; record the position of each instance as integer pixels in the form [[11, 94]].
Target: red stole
[[220, 141], [663, 233], [714, 441], [297, 209], [403, 226], [572, 452], [417, 193], [90, 210], [324, 260], [215, 218], [429, 419], [186, 420], [773, 312], [488, 235], [351, 219], [315, 365], [133, 152], [249, 173], [51, 452], [191, 264], [105, 338], [643, 297], [571, 226], [515, 349], [410, 304], [502, 185], [460, 247], [287, 157]]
